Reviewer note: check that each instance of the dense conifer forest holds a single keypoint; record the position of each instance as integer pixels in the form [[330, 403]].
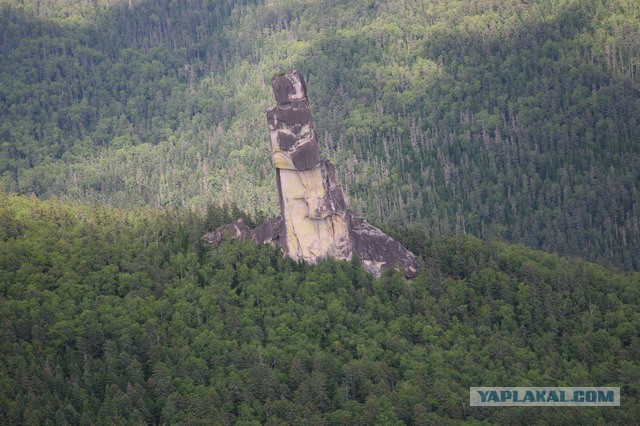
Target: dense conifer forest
[[511, 119], [113, 316], [476, 132]]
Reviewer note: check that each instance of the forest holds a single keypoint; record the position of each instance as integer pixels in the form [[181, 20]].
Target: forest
[[502, 119], [499, 140], [114, 316]]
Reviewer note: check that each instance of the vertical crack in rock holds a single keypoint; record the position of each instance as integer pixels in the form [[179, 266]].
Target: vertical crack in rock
[[315, 220]]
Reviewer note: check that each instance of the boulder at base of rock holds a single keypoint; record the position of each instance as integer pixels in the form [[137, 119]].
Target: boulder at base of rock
[[378, 251], [268, 232]]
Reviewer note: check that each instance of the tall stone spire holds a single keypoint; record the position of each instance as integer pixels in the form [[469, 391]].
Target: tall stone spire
[[312, 204], [315, 220]]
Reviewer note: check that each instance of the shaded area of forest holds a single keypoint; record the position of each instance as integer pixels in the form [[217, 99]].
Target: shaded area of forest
[[123, 316], [507, 119]]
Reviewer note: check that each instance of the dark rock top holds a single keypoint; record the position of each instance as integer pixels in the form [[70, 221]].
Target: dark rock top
[[293, 140], [289, 88]]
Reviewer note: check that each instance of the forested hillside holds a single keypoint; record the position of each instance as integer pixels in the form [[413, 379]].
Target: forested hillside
[[112, 316], [511, 119]]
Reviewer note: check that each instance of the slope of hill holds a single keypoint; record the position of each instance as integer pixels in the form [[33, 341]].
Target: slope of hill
[[115, 316], [510, 119]]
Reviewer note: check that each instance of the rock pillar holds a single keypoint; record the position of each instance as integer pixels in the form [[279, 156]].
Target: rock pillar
[[312, 203], [315, 220]]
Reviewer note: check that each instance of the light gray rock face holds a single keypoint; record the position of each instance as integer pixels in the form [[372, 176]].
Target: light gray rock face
[[315, 221]]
